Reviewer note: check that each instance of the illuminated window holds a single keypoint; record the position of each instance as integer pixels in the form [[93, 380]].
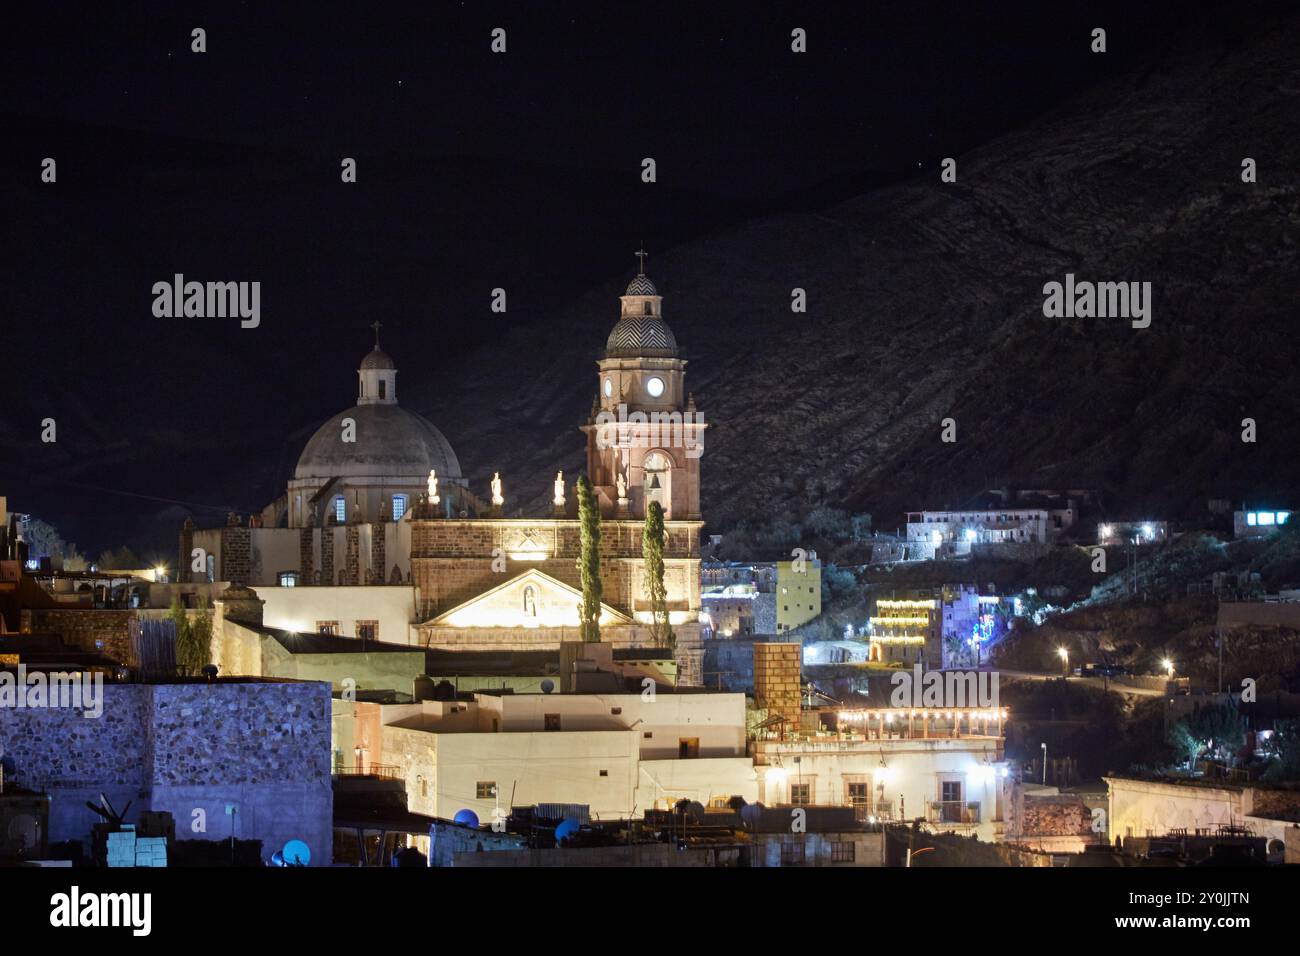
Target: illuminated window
[[340, 509], [655, 387], [1266, 517], [1282, 516], [288, 579], [609, 388], [801, 794], [329, 628], [485, 790], [399, 507]]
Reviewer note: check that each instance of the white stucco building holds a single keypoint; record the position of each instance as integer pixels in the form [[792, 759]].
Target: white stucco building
[[619, 754]]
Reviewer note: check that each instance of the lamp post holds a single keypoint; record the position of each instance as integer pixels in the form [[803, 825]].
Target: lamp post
[[1044, 763], [1065, 662]]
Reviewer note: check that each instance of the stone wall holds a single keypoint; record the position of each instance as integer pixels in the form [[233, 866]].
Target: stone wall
[[236, 555], [777, 681], [101, 631], [453, 560], [192, 749]]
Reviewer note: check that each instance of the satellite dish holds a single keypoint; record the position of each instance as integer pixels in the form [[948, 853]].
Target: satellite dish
[[466, 818], [296, 853], [548, 686]]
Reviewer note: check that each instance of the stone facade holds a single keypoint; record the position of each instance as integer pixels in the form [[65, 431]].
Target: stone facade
[[95, 630], [777, 681], [453, 560], [261, 747], [236, 554]]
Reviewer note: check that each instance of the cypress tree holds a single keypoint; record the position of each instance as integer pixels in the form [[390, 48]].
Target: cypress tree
[[589, 560], [652, 549]]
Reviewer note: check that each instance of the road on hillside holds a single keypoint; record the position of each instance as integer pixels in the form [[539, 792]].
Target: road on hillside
[[1100, 683]]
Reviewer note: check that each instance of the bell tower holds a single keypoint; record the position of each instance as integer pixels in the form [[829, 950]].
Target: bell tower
[[644, 427]]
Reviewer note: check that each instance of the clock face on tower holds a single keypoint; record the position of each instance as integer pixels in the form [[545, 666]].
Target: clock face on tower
[[609, 388], [655, 387]]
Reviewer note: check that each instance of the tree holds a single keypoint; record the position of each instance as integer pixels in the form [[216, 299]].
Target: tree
[[44, 541], [193, 638], [589, 560], [652, 549], [1217, 729], [123, 560]]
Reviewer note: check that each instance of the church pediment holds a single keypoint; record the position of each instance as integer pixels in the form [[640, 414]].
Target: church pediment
[[530, 599]]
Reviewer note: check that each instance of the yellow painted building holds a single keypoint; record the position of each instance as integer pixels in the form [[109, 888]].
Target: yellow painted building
[[798, 592]]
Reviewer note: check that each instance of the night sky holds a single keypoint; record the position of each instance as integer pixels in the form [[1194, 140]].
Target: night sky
[[475, 171]]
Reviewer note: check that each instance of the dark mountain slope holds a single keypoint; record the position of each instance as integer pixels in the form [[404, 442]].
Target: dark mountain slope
[[926, 302]]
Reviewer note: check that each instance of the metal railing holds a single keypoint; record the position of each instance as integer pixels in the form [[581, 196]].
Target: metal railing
[[952, 811], [386, 771]]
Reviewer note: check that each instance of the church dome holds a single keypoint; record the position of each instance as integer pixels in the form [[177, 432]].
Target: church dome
[[641, 335], [641, 286], [391, 443], [378, 359]]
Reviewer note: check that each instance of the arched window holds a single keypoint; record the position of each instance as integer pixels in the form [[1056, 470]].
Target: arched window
[[658, 480], [530, 601], [399, 507], [340, 509]]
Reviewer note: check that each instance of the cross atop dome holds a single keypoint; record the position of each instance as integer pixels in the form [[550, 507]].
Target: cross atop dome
[[641, 254], [376, 326]]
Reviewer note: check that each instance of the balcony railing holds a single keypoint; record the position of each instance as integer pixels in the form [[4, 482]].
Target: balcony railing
[[953, 811], [386, 771]]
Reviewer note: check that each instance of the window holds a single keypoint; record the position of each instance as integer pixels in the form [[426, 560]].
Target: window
[[550, 721], [792, 854], [288, 579], [485, 790], [212, 568], [399, 507], [604, 773], [616, 711], [648, 735], [801, 794], [843, 852], [368, 630], [648, 310], [330, 628], [340, 509], [860, 799], [655, 387], [383, 389], [688, 747]]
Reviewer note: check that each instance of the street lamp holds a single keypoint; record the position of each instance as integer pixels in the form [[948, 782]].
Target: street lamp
[[1065, 661], [1168, 665], [1044, 763]]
